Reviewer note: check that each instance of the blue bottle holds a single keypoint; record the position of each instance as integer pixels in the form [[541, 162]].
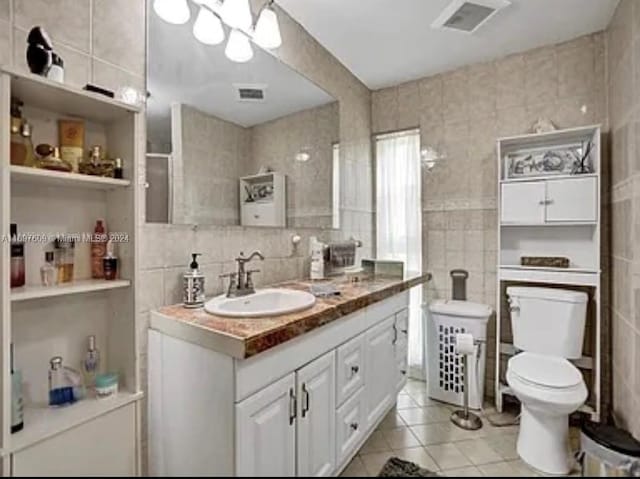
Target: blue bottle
[[60, 388]]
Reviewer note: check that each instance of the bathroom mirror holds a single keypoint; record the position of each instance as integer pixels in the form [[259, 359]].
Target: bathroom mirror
[[251, 143]]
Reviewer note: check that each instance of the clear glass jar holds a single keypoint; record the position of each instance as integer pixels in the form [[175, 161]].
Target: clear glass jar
[[48, 271], [65, 252]]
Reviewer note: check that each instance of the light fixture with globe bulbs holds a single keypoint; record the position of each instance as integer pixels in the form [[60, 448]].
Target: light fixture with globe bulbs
[[208, 28], [236, 14], [172, 11]]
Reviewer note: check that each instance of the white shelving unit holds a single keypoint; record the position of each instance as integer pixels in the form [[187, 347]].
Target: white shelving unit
[[270, 210], [42, 322], [552, 215]]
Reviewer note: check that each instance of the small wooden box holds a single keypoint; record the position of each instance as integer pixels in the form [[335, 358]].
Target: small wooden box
[[545, 261]]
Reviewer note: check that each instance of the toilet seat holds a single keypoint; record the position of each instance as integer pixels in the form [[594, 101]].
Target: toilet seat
[[545, 372]]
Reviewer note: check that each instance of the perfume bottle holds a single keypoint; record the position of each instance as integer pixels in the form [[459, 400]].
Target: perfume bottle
[[27, 139], [17, 259], [60, 388], [48, 271], [91, 363], [65, 258]]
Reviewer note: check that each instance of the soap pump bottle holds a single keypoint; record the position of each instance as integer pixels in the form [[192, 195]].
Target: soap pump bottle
[[193, 285]]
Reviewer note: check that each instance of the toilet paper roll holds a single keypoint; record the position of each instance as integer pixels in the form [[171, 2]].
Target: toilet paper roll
[[464, 343]]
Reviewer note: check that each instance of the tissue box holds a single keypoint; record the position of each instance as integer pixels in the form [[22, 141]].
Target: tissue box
[[377, 267]]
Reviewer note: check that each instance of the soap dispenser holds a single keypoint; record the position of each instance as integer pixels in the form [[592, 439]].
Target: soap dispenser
[[193, 285]]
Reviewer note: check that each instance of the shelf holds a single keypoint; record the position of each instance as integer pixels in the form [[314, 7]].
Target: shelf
[[548, 177], [25, 174], [43, 422], [48, 95], [580, 276], [77, 287], [551, 224], [533, 140]]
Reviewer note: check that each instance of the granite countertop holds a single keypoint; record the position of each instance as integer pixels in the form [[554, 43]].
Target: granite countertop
[[246, 337]]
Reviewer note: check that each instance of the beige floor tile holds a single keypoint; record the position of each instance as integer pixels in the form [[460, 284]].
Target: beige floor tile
[[430, 434], [419, 456], [375, 443], [355, 469], [424, 415], [479, 451], [422, 399], [505, 445], [498, 469], [405, 402], [447, 456], [400, 438], [391, 421], [374, 462], [470, 471], [522, 469]]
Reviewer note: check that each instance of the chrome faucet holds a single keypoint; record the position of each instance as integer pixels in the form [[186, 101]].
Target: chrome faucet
[[240, 283]]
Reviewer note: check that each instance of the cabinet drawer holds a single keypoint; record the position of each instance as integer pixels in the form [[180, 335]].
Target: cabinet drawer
[[350, 425], [351, 368]]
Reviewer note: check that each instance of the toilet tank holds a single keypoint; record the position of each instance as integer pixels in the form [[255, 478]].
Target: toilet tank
[[548, 320]]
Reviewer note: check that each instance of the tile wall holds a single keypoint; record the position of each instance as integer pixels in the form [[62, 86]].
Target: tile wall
[[98, 42], [623, 65], [309, 184], [461, 113]]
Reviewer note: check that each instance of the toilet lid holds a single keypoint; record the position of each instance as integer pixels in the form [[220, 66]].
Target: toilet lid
[[547, 371]]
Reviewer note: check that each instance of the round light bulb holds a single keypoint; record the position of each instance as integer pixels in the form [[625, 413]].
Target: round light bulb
[[237, 14], [208, 28], [238, 47], [267, 33], [172, 11]]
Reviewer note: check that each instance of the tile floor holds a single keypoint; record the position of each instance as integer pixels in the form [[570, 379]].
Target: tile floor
[[419, 430]]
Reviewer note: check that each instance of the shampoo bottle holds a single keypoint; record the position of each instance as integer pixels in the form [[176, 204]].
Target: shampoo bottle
[[98, 249]]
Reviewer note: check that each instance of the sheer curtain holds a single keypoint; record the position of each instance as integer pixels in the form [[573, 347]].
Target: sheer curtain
[[399, 221]]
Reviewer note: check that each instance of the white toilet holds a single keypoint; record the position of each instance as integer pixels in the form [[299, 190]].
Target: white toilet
[[548, 327]]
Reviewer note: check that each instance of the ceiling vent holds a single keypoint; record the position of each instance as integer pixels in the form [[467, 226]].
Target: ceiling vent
[[253, 92], [468, 15]]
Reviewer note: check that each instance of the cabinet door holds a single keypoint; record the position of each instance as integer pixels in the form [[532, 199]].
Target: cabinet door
[[351, 365], [105, 446], [380, 369], [523, 202], [316, 417], [266, 431], [572, 199]]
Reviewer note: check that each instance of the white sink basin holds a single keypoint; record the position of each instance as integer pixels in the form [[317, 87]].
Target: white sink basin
[[264, 302]]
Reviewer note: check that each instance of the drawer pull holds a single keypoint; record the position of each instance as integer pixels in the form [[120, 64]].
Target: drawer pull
[[395, 334], [293, 406], [354, 370], [354, 426], [404, 331], [404, 372], [305, 400]]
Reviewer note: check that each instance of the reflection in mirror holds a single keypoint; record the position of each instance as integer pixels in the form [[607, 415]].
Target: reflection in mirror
[[229, 143]]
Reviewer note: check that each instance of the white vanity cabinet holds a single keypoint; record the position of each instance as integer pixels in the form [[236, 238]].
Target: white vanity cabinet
[[302, 408], [572, 199]]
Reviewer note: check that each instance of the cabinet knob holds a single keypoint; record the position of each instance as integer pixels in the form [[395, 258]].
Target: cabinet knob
[[354, 426], [404, 331], [354, 370], [404, 372], [256, 216], [542, 202]]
